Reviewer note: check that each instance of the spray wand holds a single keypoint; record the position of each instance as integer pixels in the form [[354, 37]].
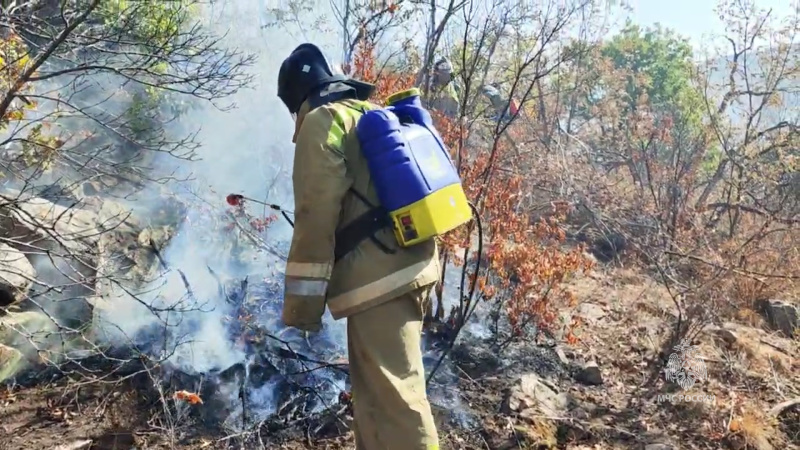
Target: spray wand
[[237, 199]]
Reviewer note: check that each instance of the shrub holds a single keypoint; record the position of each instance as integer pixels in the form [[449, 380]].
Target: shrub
[[524, 263]]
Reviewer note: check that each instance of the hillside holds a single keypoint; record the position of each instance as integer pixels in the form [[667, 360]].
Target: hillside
[[630, 279]]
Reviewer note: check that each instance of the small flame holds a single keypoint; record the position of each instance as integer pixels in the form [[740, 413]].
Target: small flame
[[189, 397]]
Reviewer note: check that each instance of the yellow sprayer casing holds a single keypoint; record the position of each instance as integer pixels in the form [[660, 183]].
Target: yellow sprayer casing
[[441, 211]]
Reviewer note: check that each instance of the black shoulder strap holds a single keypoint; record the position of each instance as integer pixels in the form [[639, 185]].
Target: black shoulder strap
[[363, 227]]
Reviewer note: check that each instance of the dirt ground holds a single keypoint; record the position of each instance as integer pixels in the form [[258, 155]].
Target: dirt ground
[[752, 375]]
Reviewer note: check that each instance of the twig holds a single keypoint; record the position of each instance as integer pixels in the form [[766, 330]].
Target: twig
[[77, 445], [778, 409], [186, 284]]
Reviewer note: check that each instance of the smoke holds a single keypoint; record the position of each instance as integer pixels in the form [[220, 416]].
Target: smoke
[[182, 316], [188, 316], [245, 150]]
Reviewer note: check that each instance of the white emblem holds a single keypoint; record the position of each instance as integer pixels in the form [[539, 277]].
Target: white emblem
[[685, 367]]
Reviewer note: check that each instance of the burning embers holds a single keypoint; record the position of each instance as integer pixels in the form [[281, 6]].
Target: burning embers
[[234, 352], [282, 375]]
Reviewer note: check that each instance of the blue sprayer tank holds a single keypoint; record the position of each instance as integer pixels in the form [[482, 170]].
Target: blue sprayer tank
[[415, 179]]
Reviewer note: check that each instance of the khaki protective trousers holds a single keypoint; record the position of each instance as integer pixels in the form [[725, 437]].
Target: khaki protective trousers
[[390, 405]]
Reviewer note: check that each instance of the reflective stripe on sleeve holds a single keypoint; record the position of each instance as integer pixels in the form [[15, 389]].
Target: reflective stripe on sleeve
[[309, 270], [306, 288]]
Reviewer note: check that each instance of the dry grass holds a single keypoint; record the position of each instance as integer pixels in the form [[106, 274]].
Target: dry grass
[[753, 429], [537, 434]]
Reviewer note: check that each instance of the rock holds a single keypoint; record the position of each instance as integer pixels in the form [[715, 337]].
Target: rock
[[61, 242], [656, 439], [123, 258], [56, 193], [43, 224], [16, 275], [11, 362], [531, 396], [105, 237], [589, 374], [23, 333], [591, 312], [91, 188], [75, 445], [73, 227], [159, 236], [659, 446], [22, 329], [725, 335], [537, 403], [503, 442], [778, 409], [581, 413], [79, 255], [781, 316], [562, 355], [34, 335]]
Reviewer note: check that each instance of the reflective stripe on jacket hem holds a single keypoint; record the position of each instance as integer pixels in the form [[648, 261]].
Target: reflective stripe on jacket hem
[[385, 285], [306, 288], [309, 270]]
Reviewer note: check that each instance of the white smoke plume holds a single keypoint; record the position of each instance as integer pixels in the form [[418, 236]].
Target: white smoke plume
[[184, 317], [245, 150]]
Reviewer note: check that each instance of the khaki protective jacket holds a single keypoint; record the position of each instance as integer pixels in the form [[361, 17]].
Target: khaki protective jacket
[[445, 100], [328, 162]]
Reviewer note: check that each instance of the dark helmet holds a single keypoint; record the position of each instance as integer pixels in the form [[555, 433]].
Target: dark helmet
[[443, 66], [442, 72], [305, 71]]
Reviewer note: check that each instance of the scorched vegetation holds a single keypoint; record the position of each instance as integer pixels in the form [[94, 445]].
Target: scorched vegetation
[[632, 281]]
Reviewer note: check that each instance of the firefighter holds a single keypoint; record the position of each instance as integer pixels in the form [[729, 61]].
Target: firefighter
[[496, 99], [443, 95], [504, 109], [340, 259]]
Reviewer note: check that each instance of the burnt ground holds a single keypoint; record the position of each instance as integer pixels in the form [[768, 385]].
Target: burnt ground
[[624, 316]]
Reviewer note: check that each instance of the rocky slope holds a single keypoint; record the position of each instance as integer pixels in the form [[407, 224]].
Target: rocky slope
[[57, 262]]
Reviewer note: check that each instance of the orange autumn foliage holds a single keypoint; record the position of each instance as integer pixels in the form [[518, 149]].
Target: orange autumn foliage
[[386, 83], [526, 263]]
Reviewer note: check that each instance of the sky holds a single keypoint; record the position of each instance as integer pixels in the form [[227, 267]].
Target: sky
[[694, 19]]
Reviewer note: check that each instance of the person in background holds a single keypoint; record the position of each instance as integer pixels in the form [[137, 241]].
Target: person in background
[[361, 274], [442, 95], [503, 109]]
